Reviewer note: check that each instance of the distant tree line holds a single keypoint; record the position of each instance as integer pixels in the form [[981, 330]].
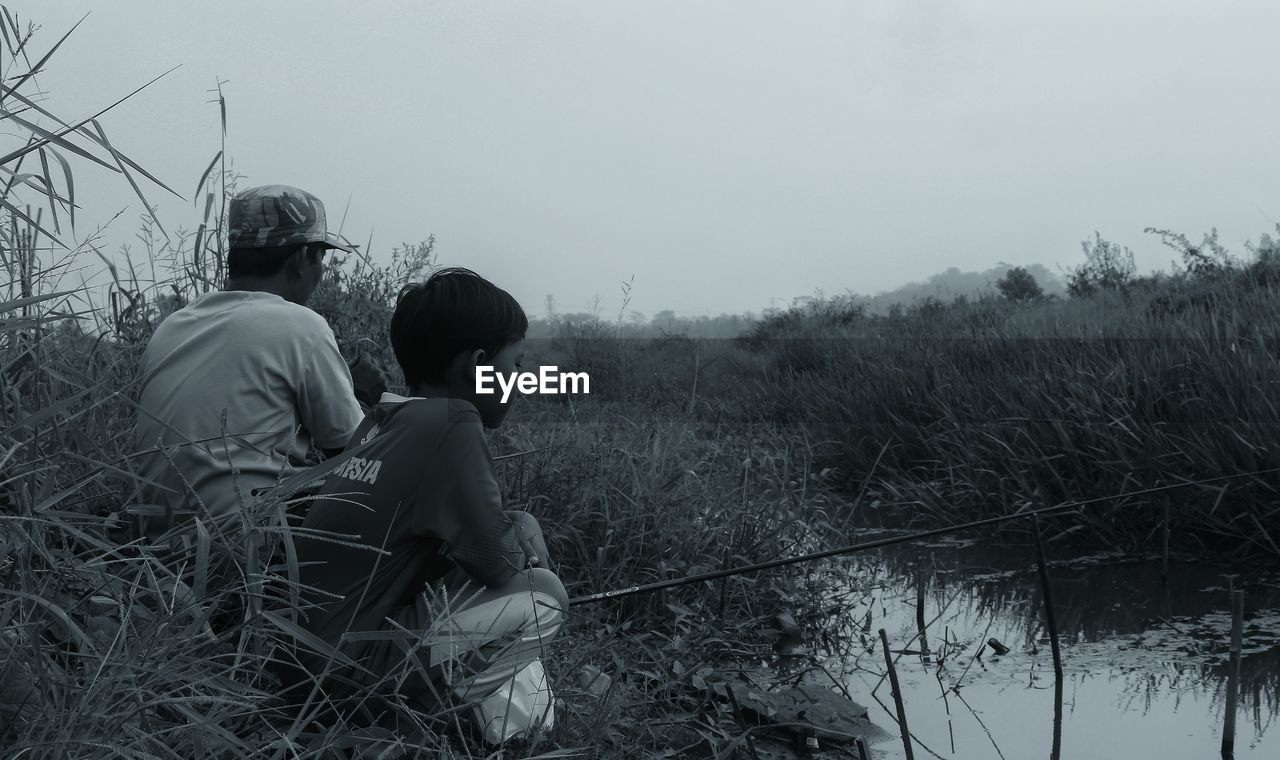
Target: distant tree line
[[637, 325], [1106, 267]]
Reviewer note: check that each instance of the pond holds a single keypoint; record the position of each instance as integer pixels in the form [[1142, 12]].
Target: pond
[[1144, 660]]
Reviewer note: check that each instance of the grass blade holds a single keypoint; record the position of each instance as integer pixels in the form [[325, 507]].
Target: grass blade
[[71, 186], [53, 410], [315, 643], [18, 213], [204, 177], [85, 642], [52, 138], [134, 164], [40, 64], [48, 183], [79, 126], [18, 303]]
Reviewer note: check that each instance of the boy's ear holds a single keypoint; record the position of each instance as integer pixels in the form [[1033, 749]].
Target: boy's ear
[[469, 362]]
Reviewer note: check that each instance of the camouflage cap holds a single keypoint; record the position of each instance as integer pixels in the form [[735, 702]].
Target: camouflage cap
[[272, 215]]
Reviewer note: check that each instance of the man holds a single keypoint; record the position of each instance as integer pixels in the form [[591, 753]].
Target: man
[[250, 362]]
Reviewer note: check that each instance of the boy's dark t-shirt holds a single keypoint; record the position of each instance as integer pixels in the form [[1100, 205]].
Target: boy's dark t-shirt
[[425, 493]]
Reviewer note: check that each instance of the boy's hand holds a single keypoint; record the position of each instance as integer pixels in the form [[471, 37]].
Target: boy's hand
[[525, 537], [526, 544]]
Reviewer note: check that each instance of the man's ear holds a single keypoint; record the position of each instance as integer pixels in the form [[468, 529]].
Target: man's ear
[[295, 265]]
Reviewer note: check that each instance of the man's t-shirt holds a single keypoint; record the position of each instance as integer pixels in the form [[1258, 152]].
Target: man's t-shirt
[[423, 492], [272, 366]]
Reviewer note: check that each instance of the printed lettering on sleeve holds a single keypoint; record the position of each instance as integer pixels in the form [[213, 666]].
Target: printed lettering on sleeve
[[360, 469]]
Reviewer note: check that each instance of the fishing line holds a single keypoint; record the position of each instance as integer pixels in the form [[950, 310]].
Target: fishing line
[[876, 544]]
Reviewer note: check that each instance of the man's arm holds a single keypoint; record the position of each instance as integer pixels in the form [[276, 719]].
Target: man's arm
[[326, 397]]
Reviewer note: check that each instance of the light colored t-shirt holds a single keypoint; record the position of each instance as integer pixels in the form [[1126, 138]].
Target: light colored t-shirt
[[272, 366]]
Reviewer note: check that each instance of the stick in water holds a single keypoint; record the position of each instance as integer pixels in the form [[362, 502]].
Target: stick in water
[[897, 696], [1233, 675], [920, 626], [1164, 549], [862, 750], [1051, 621]]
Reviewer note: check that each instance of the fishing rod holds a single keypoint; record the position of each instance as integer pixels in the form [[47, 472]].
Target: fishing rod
[[876, 544]]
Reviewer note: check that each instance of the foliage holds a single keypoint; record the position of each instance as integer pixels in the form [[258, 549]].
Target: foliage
[[979, 405], [354, 299], [1107, 266], [721, 326], [1019, 285], [1209, 260], [953, 285]]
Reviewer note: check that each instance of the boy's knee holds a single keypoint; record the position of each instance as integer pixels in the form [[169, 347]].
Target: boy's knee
[[546, 582], [524, 519], [537, 580]]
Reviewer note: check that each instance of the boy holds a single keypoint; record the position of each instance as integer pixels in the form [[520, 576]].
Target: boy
[[426, 506]]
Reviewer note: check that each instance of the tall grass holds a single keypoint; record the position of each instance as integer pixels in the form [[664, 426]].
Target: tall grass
[[105, 650], [689, 455], [986, 406]]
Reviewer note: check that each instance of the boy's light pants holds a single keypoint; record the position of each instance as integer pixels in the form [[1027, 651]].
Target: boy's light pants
[[488, 654], [520, 704]]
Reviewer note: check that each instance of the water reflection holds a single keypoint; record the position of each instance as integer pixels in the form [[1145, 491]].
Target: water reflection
[[1144, 662]]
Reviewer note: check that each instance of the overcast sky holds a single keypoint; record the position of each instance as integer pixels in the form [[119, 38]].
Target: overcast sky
[[725, 154]]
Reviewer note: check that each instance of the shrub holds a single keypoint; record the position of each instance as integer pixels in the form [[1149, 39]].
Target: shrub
[[358, 300], [1107, 266], [1019, 285], [1264, 270], [1207, 261]]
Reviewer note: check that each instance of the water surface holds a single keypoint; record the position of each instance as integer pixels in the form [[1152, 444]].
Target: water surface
[[1144, 661]]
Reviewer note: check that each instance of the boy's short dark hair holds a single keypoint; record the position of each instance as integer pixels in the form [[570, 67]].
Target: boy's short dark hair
[[455, 310], [266, 262]]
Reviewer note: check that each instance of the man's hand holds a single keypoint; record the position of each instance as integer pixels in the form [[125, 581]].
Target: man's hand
[[368, 379]]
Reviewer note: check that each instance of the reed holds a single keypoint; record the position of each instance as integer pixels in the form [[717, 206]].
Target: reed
[[1051, 621], [920, 625], [1233, 675], [898, 705]]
